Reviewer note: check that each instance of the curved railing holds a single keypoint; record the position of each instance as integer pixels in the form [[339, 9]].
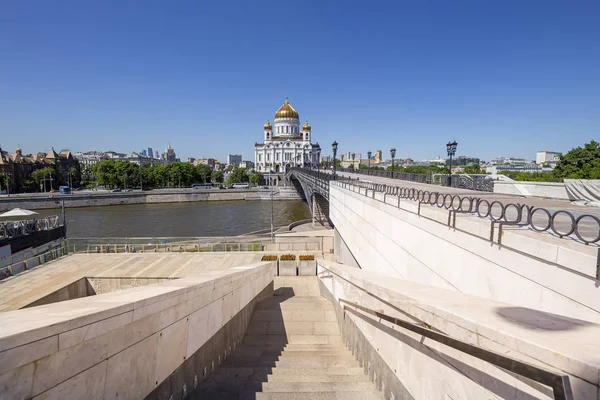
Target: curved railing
[[512, 214]]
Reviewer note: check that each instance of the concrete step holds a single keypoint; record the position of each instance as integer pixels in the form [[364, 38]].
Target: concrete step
[[294, 347], [374, 395], [292, 387], [286, 396], [242, 373], [293, 339], [258, 352], [312, 315], [292, 328], [248, 361]]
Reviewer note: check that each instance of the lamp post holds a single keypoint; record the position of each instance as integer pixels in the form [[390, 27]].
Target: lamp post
[[393, 154], [451, 149], [369, 157], [8, 181], [334, 146], [179, 176], [125, 181]]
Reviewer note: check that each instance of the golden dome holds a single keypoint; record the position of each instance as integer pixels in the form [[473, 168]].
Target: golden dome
[[287, 111], [306, 126], [268, 126]]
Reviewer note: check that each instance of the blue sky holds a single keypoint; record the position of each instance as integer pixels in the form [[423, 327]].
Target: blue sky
[[500, 77]]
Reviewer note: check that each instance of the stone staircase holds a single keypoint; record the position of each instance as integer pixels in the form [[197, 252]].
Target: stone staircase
[[292, 350]]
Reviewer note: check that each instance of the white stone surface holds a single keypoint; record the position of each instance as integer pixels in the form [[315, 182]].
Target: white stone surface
[[549, 190], [287, 268], [390, 240], [121, 344], [431, 370]]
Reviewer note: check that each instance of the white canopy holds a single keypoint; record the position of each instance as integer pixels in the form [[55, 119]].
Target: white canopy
[[18, 212]]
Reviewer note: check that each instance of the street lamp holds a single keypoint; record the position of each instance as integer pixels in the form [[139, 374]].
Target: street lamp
[[179, 176], [353, 158], [393, 154], [334, 146], [125, 180], [451, 149], [369, 157]]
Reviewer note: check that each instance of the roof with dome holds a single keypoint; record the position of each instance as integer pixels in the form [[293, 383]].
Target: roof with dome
[[287, 111]]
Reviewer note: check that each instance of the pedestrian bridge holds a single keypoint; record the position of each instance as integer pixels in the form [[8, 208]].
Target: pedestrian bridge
[[427, 295]]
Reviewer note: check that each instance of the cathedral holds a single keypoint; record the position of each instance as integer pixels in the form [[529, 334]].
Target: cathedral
[[285, 144]]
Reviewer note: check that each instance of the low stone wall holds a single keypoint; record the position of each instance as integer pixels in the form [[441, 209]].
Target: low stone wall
[[111, 199], [404, 364], [157, 340], [550, 190]]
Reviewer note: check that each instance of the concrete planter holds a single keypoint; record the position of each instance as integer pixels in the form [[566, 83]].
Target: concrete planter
[[307, 268], [287, 268]]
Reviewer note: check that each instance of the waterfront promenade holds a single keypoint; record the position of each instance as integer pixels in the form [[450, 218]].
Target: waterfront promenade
[[37, 201]]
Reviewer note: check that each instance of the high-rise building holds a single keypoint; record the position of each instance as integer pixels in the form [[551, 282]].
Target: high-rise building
[[170, 154], [144, 153], [150, 152], [156, 154], [234, 159]]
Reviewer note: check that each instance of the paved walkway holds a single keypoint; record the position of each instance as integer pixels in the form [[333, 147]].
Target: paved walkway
[[30, 286]]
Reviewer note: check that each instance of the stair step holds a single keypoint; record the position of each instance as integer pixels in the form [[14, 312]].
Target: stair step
[[293, 339], [372, 395], [294, 347], [286, 396], [291, 387], [242, 361], [241, 373], [257, 352], [292, 328]]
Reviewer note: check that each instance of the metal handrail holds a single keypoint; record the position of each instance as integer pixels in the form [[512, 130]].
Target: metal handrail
[[560, 384], [495, 210]]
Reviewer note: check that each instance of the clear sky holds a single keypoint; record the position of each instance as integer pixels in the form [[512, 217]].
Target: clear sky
[[501, 77]]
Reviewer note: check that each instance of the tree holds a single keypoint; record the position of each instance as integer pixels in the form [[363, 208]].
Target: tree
[[3, 182], [217, 176], [256, 178], [238, 175], [473, 169], [44, 173], [204, 172], [580, 163]]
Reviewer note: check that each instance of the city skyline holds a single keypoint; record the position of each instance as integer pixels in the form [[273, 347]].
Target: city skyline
[[414, 77]]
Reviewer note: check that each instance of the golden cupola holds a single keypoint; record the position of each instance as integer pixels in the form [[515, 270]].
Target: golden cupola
[[306, 126], [287, 111], [268, 126]]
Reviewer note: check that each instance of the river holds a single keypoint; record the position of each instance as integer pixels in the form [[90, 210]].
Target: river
[[217, 218]]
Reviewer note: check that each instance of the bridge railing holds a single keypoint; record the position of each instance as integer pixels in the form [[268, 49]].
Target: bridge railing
[[473, 182], [561, 223]]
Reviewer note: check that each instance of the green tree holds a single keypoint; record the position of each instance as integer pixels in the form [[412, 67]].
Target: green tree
[[44, 173], [204, 172], [238, 175], [217, 176], [256, 178], [473, 169], [580, 163], [3, 182]]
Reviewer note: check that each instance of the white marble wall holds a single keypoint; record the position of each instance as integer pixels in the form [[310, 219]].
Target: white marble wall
[[121, 344], [530, 270], [430, 370]]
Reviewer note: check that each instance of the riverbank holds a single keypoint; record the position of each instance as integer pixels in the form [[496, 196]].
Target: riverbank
[[97, 199]]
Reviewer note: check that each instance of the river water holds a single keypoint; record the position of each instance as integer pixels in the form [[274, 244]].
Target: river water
[[218, 218]]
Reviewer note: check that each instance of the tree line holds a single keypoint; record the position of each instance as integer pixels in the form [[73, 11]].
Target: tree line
[[125, 174]]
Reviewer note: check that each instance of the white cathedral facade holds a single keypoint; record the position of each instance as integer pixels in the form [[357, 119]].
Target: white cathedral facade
[[286, 145]]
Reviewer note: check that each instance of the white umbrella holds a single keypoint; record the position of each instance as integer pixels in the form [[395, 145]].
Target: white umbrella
[[18, 212]]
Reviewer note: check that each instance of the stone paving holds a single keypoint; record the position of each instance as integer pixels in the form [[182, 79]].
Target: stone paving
[[29, 286]]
